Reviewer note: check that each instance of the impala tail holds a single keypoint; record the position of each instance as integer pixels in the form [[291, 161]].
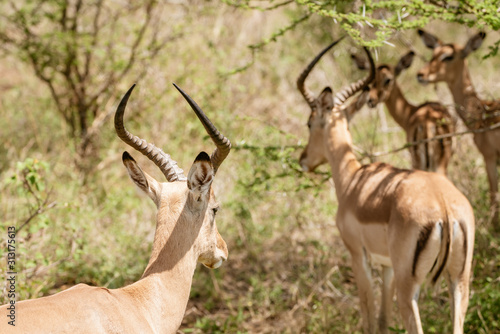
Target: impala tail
[[433, 247]]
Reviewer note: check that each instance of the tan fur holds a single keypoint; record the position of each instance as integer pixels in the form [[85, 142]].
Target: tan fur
[[382, 214], [156, 303], [449, 64], [186, 233], [421, 122]]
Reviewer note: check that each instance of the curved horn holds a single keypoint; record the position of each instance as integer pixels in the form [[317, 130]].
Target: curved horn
[[349, 91], [167, 166], [308, 95], [222, 143]]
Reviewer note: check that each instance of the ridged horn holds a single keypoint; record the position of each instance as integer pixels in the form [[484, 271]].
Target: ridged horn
[[223, 145], [355, 87], [308, 95], [167, 166]]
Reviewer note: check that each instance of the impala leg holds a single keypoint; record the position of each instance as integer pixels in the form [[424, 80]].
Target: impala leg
[[442, 166], [362, 275], [491, 171], [408, 291], [458, 275], [446, 156], [387, 299], [459, 300]]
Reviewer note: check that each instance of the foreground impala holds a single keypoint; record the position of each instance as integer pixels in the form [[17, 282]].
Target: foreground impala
[[421, 122], [415, 224], [449, 64], [185, 234]]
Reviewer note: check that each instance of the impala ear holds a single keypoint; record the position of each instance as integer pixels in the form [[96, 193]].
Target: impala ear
[[404, 62], [326, 99], [473, 44], [141, 179], [360, 62], [362, 98], [429, 40], [360, 101], [200, 175]]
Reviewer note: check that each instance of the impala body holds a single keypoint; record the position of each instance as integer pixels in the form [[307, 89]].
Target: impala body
[[185, 234], [420, 122], [415, 224], [449, 64]]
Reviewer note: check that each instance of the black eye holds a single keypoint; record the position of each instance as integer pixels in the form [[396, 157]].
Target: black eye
[[446, 57], [387, 81], [215, 210]]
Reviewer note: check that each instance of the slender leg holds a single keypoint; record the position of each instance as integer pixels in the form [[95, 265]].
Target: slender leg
[[459, 300], [408, 292], [362, 274], [458, 275], [387, 299], [491, 171]]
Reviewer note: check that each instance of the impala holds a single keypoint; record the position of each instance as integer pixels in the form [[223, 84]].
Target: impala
[[314, 159], [421, 123], [449, 64], [415, 224], [185, 234]]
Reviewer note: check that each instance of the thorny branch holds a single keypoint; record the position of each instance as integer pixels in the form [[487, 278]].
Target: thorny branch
[[422, 141]]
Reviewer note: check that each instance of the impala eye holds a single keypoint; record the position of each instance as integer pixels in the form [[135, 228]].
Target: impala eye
[[215, 210], [446, 57], [309, 122], [386, 82]]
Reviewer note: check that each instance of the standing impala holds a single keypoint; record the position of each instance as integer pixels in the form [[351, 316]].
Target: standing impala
[[185, 234], [414, 223], [449, 64], [421, 122]]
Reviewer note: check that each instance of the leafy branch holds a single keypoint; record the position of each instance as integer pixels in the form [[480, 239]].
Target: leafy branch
[[30, 182], [72, 48], [372, 23], [268, 158], [254, 48]]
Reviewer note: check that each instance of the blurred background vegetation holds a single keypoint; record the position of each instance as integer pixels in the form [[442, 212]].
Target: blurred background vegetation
[[64, 66]]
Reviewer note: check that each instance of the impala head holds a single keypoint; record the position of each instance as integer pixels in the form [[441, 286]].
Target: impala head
[[448, 60], [186, 204], [385, 77], [321, 108]]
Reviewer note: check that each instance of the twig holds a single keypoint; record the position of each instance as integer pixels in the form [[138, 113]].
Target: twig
[[247, 6], [41, 209], [422, 141], [313, 291]]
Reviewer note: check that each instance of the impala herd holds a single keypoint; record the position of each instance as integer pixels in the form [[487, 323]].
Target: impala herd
[[414, 223]]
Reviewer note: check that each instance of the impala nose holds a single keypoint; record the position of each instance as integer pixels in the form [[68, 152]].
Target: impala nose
[[420, 78], [302, 161]]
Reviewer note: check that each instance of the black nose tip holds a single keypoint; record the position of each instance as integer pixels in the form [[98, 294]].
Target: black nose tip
[[420, 77]]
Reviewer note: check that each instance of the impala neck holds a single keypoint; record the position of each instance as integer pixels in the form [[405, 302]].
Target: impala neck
[[399, 108], [161, 295], [339, 151], [464, 95]]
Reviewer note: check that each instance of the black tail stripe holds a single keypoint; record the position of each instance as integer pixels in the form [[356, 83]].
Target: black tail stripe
[[427, 149], [423, 237], [465, 247]]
